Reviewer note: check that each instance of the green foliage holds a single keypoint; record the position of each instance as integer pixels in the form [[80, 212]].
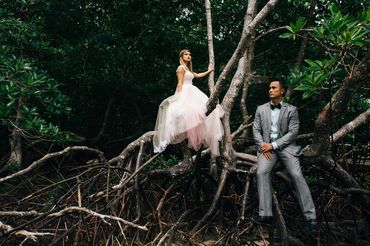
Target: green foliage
[[311, 180], [343, 31], [294, 29], [315, 77], [162, 162], [30, 98], [343, 37]]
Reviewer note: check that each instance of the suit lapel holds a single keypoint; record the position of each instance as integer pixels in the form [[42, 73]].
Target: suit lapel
[[268, 115], [281, 115]]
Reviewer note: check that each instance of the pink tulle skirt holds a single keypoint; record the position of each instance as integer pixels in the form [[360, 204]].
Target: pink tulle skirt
[[182, 116]]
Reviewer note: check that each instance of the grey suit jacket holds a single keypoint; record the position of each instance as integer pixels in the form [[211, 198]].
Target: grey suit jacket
[[288, 125]]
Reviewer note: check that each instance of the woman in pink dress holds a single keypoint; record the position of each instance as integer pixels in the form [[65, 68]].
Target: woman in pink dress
[[182, 115]]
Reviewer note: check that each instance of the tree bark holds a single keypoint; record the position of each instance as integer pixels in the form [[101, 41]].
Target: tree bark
[[16, 139], [249, 53], [349, 127], [211, 54]]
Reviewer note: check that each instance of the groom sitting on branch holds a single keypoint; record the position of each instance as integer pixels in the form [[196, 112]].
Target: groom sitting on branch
[[275, 129]]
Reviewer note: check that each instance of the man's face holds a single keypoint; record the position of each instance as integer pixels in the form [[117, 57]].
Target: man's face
[[276, 90]]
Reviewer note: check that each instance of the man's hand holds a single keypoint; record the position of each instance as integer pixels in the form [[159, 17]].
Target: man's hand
[[267, 155], [266, 147], [266, 150]]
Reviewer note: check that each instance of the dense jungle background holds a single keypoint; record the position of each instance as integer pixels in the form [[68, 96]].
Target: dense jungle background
[[80, 86]]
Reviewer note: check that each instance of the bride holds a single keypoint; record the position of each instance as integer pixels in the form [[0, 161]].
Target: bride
[[182, 115]]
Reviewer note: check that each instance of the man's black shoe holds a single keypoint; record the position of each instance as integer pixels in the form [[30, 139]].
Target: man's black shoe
[[263, 220], [313, 226]]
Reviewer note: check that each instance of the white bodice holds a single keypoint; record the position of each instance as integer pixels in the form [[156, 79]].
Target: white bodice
[[188, 78]]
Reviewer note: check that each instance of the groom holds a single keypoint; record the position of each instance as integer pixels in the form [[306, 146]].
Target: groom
[[275, 129]]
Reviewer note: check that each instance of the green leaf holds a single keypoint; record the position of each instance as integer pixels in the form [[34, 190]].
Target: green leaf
[[286, 35], [289, 29]]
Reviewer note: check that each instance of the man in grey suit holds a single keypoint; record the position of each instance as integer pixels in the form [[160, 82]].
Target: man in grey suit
[[275, 129]]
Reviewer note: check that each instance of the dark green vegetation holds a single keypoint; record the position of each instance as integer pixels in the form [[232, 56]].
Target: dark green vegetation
[[93, 73]]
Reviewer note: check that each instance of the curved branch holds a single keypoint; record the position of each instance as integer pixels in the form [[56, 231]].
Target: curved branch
[[146, 137], [30, 235], [270, 31], [49, 156]]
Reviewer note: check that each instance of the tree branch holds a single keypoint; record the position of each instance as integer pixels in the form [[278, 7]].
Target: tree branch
[[30, 235], [351, 126], [49, 156], [73, 209], [242, 45], [211, 54]]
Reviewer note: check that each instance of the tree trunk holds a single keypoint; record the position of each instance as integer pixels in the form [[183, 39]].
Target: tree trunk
[[16, 139], [211, 54], [248, 28]]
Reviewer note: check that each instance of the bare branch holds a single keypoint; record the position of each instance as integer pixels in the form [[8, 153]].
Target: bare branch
[[49, 156], [351, 126], [211, 54], [241, 128], [146, 137], [246, 157], [277, 29], [30, 235], [348, 191], [73, 209], [242, 45]]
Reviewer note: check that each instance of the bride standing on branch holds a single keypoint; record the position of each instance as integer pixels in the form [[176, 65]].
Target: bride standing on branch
[[183, 115]]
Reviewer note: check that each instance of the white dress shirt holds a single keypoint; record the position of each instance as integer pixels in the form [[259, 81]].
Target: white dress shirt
[[274, 132]]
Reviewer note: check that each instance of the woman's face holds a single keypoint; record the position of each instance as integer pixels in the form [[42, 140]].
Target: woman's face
[[186, 56]]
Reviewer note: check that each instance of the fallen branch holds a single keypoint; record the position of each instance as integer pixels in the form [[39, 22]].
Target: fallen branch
[[30, 235], [348, 191], [74, 209], [49, 156], [245, 156]]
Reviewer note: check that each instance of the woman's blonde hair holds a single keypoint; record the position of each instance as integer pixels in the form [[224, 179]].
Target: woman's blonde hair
[[182, 62]]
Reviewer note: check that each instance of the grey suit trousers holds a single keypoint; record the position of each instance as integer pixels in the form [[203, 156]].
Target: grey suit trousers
[[291, 163]]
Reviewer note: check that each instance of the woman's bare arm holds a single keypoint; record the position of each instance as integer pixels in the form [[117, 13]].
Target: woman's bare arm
[[180, 78], [200, 75]]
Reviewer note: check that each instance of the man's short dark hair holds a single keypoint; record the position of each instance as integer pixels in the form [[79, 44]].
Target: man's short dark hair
[[281, 81]]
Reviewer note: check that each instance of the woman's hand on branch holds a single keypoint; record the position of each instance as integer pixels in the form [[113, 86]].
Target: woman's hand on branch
[[210, 68]]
